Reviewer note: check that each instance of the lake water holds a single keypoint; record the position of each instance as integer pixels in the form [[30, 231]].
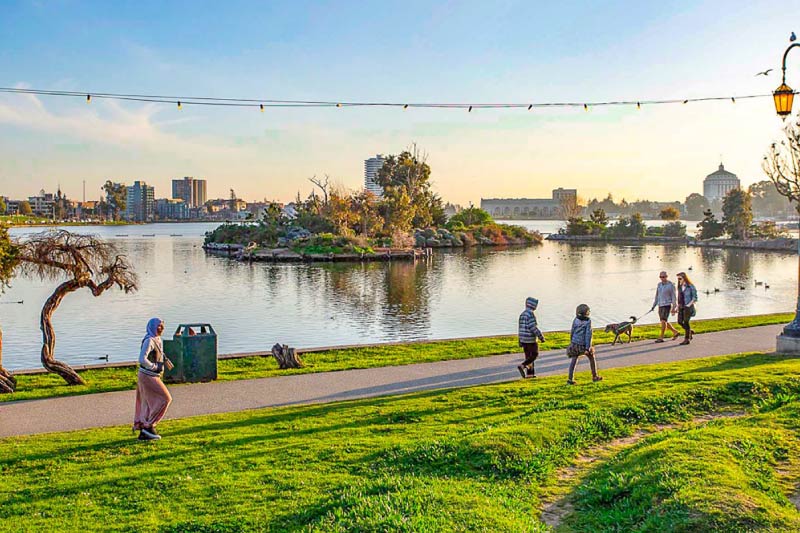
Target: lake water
[[454, 294]]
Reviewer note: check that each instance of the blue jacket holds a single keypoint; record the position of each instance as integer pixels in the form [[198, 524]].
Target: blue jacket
[[689, 293], [528, 329], [581, 332]]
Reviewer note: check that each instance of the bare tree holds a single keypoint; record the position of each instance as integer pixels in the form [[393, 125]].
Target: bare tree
[[9, 259], [323, 185], [569, 207], [782, 164], [86, 261]]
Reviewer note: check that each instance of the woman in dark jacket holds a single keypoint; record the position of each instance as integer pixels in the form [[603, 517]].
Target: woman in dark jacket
[[687, 296]]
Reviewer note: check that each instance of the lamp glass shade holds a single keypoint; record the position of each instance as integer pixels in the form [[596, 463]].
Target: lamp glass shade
[[784, 97]]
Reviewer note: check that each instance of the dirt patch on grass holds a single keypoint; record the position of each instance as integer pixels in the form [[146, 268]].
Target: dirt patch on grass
[[559, 503]]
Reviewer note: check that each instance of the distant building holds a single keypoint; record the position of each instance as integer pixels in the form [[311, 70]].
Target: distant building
[[718, 184], [190, 190], [140, 203], [371, 168], [43, 205], [171, 209], [509, 208]]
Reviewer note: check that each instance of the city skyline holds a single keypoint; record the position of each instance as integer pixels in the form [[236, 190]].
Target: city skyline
[[521, 53]]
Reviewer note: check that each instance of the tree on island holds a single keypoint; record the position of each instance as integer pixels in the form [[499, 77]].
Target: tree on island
[[116, 198], [9, 259], [25, 208], [696, 204], [737, 213], [670, 213], [710, 227], [3, 206], [767, 201], [405, 179], [471, 216], [86, 261], [599, 217]]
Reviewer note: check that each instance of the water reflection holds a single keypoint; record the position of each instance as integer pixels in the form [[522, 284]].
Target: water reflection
[[455, 293]]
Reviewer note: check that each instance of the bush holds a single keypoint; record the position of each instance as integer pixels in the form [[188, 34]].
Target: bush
[[628, 227], [471, 216], [675, 229], [766, 230]]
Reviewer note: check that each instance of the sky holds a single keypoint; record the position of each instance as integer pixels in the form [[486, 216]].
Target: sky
[[410, 51]]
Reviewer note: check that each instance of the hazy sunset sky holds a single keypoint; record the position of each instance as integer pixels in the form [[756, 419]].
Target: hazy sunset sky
[[410, 51]]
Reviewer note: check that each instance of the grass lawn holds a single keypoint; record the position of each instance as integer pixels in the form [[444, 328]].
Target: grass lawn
[[470, 459], [112, 379]]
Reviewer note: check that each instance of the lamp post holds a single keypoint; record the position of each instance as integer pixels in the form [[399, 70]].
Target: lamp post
[[789, 340]]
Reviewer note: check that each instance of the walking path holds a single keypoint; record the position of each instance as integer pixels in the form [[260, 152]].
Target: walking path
[[116, 408]]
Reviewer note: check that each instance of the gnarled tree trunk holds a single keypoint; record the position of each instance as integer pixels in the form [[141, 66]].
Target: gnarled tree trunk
[[49, 333], [8, 383], [286, 357]]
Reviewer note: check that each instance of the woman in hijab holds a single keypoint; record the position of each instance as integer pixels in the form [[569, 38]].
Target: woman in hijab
[[152, 397]]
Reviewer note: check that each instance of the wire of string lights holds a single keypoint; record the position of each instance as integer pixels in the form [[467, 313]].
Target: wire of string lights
[[261, 103]]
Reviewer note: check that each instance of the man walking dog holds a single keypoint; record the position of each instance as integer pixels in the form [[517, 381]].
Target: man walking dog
[[667, 303], [529, 333]]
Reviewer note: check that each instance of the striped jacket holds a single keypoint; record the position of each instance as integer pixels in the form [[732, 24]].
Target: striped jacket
[[528, 330]]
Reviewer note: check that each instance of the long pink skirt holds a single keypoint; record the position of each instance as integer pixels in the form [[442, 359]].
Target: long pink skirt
[[152, 400]]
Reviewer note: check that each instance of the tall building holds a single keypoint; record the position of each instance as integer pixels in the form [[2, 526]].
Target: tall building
[[718, 184], [371, 168], [140, 204], [171, 209], [190, 190], [43, 205]]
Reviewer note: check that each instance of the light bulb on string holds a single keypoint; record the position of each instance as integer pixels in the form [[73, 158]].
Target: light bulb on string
[[179, 104], [585, 107], [338, 105], [638, 105], [686, 101], [530, 107], [469, 110], [262, 107], [733, 99], [405, 106], [88, 98]]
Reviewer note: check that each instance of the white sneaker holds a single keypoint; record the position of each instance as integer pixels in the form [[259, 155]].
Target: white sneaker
[[150, 435]]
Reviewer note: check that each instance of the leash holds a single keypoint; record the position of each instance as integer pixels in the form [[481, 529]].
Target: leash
[[644, 315]]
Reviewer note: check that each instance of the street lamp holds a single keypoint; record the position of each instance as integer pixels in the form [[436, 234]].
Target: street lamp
[[789, 340], [784, 95]]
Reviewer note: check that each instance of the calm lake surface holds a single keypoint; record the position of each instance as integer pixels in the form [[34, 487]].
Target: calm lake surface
[[454, 294]]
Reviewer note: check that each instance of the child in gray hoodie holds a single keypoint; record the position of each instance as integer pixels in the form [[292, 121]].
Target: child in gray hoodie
[[580, 343]]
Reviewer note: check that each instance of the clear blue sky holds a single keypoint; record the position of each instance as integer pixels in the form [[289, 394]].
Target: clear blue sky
[[396, 51]]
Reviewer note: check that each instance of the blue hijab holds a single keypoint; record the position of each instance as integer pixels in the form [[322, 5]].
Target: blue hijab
[[152, 329]]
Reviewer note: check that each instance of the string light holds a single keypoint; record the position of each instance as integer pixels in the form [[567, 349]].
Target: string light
[[469, 110], [262, 103]]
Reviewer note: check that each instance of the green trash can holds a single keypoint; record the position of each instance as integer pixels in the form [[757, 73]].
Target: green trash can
[[193, 351]]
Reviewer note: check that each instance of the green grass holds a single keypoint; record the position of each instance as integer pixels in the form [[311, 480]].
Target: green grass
[[470, 459], [39, 386]]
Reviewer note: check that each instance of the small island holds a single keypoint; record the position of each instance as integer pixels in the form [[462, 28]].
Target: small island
[[333, 224]]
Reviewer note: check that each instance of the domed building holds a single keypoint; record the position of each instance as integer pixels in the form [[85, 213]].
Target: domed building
[[719, 183]]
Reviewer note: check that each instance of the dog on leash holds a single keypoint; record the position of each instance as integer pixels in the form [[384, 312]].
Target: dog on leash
[[622, 328]]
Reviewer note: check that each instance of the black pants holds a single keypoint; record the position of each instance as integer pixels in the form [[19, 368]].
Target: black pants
[[531, 350], [684, 316]]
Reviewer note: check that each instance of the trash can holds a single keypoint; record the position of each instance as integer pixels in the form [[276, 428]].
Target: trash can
[[193, 351]]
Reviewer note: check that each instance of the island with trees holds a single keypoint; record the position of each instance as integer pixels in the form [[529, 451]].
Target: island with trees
[[335, 224]]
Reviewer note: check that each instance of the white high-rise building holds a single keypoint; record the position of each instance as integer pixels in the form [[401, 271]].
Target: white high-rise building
[[371, 168]]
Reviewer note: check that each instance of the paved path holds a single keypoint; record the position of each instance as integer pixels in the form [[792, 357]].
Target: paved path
[[116, 408]]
